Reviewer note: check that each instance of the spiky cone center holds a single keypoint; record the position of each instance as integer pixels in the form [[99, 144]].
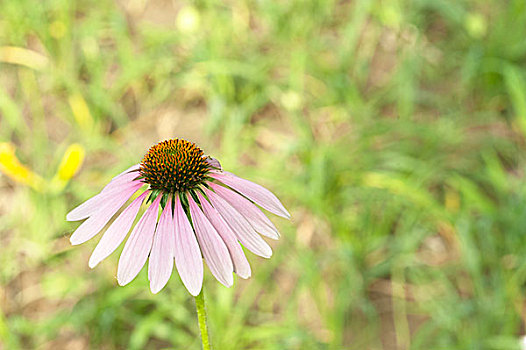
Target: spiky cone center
[[174, 166]]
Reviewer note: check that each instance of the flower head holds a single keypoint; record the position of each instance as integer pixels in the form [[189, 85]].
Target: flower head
[[205, 213]]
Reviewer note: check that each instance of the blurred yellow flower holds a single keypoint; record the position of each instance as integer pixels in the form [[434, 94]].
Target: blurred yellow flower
[[11, 167], [71, 162], [81, 112], [69, 166]]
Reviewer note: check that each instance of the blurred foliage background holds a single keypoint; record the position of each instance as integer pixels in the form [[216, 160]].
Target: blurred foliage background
[[394, 132]]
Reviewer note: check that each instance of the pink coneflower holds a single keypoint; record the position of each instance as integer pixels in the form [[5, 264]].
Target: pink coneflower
[[205, 213]]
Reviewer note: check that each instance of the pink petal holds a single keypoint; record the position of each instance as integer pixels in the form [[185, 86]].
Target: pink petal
[[121, 179], [111, 204], [256, 193], [257, 219], [214, 163], [134, 168], [138, 245], [214, 250], [188, 258], [91, 206], [162, 254], [244, 232], [241, 265], [116, 233]]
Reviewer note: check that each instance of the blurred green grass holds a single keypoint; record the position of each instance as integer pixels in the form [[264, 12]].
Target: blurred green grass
[[394, 131]]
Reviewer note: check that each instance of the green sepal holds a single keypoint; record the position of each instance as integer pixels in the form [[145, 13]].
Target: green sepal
[[153, 196]]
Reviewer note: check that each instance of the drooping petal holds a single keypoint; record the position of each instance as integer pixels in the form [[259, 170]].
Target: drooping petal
[[91, 206], [214, 163], [256, 193], [116, 233], [241, 265], [257, 219], [214, 250], [111, 204], [188, 259], [244, 232], [121, 179], [138, 245], [162, 254], [130, 169]]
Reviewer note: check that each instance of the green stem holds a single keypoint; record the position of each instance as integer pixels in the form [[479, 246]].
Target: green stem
[[201, 317]]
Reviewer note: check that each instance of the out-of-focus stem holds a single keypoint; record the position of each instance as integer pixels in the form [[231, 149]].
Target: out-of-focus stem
[[201, 317]]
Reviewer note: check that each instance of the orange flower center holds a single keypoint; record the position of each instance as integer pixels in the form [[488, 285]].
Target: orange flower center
[[174, 166]]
